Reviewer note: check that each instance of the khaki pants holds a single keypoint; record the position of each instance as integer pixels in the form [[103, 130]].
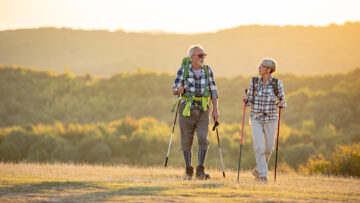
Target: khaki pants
[[264, 140], [198, 122]]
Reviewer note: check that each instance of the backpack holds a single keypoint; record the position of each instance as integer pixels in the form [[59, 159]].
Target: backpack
[[186, 62], [190, 96], [274, 84]]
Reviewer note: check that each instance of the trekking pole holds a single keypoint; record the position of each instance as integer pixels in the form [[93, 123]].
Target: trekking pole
[[242, 133], [172, 132], [216, 124], [277, 144]]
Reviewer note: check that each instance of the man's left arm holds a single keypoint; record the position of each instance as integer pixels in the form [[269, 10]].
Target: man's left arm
[[214, 95]]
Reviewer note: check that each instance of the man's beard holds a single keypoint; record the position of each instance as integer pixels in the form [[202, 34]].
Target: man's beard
[[200, 63]]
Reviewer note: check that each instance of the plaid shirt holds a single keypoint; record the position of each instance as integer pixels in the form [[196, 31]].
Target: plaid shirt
[[196, 85], [264, 104]]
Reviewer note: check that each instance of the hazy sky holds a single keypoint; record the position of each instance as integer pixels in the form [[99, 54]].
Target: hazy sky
[[173, 16]]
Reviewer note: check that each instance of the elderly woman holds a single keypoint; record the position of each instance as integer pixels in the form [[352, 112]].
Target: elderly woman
[[265, 95]]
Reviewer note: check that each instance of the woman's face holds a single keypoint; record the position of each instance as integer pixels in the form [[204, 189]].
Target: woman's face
[[263, 70]]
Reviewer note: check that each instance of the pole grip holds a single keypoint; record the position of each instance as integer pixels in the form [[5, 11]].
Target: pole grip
[[166, 160]]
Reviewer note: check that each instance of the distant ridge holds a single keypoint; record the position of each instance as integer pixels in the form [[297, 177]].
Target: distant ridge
[[302, 50]]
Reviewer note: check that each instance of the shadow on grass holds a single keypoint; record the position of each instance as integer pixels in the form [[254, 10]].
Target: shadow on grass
[[103, 195], [49, 185], [212, 185], [86, 190]]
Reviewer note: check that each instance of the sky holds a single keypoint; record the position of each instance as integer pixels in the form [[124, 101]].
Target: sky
[[181, 16]]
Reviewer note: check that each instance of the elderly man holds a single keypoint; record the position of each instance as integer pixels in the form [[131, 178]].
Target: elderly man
[[195, 83], [263, 94]]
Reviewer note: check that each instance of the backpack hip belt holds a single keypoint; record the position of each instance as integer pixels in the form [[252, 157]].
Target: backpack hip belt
[[191, 97]]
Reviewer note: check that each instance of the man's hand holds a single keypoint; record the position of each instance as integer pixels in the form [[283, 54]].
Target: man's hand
[[215, 114], [180, 90]]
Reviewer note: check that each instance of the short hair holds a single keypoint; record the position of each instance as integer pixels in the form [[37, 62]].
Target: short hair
[[269, 63], [193, 47]]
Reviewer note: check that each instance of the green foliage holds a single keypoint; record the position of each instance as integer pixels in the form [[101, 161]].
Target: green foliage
[[145, 141], [317, 164], [16, 144], [99, 153], [127, 119], [298, 153], [32, 97], [345, 161]]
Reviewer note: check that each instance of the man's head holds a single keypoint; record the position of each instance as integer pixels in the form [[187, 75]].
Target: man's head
[[267, 66], [197, 55]]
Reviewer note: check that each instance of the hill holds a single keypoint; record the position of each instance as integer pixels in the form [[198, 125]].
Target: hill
[[298, 49]]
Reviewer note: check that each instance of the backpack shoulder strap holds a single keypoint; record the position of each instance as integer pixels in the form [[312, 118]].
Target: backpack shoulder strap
[[206, 69], [255, 83], [275, 86], [185, 62], [207, 82], [186, 71]]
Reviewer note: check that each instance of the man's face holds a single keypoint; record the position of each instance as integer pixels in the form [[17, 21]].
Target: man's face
[[198, 56]]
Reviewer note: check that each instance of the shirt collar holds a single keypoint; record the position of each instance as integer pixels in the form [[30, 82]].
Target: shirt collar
[[267, 82], [190, 69]]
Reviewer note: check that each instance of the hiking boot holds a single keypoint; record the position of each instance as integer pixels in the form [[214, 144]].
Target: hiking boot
[[255, 173], [189, 172], [262, 180], [200, 173]]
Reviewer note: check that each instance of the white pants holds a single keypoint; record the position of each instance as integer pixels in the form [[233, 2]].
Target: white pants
[[263, 144]]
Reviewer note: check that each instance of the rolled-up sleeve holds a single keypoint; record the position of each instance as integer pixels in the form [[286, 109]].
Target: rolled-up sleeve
[[212, 84], [179, 80], [281, 95], [250, 99]]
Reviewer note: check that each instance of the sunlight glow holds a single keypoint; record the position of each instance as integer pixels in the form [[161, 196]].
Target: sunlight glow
[[173, 16]]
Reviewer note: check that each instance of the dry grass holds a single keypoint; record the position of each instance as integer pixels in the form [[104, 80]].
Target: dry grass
[[25, 182]]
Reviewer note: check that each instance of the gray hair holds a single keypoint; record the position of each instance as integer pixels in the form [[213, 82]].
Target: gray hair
[[193, 47], [269, 63]]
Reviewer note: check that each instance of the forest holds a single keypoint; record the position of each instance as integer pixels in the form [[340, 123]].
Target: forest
[[126, 119]]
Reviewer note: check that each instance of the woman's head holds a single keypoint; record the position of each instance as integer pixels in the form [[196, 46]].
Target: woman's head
[[267, 66]]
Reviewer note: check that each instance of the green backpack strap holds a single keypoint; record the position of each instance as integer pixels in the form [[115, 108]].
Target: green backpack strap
[[206, 69], [186, 62]]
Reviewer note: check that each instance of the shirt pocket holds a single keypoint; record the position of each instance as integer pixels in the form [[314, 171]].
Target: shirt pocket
[[190, 82], [271, 95], [258, 91]]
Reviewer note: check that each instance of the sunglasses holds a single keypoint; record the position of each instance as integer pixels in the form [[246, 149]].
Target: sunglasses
[[260, 66], [201, 55]]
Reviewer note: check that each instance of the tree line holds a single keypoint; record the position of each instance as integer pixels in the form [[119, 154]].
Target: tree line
[[126, 118]]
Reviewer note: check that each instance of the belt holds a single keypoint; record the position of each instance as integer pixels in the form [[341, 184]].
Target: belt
[[266, 114]]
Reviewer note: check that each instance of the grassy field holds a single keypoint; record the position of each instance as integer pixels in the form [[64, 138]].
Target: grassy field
[[24, 182]]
